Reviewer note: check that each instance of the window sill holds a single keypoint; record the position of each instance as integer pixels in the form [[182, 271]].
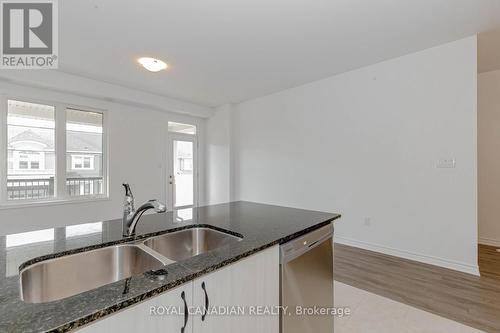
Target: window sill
[[52, 202]]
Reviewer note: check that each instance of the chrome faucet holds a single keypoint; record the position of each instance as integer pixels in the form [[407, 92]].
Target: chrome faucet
[[131, 216]]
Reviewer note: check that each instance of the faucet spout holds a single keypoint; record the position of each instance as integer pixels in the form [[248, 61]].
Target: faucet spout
[[131, 215]]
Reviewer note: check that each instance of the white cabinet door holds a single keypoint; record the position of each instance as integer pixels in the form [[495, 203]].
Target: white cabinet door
[[163, 313], [213, 290], [251, 284], [255, 282]]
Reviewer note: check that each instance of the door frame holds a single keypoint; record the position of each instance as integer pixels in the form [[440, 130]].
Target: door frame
[[170, 168]]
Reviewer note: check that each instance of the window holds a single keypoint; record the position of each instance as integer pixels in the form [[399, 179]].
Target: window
[[186, 164], [181, 128], [31, 155], [30, 150], [84, 142]]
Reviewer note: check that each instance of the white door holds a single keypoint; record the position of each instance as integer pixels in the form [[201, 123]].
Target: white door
[[183, 171]]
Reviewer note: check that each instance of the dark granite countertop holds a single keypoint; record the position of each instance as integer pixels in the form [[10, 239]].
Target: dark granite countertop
[[261, 226]]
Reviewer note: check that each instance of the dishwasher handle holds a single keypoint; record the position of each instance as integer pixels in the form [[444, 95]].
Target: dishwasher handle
[[298, 246]]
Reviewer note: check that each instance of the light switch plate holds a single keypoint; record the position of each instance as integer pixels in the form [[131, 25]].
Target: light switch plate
[[446, 163]]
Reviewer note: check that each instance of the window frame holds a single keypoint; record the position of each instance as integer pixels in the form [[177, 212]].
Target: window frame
[[61, 171]]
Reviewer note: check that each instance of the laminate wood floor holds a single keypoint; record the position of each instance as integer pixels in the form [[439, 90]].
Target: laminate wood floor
[[465, 298], [489, 261]]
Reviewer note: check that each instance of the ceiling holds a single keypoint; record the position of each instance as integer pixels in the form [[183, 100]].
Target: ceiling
[[488, 51], [223, 51]]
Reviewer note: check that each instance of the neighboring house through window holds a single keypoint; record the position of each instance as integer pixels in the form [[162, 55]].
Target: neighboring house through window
[[28, 150], [81, 162], [186, 164]]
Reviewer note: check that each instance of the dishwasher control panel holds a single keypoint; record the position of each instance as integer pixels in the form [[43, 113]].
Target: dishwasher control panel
[[302, 244]]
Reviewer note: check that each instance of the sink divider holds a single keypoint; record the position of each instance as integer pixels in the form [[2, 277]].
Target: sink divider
[[164, 260]]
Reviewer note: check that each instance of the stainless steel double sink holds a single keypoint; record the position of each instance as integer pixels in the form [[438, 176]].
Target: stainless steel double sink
[[58, 278]]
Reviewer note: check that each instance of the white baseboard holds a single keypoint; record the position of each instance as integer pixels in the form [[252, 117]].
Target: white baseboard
[[489, 241], [450, 264]]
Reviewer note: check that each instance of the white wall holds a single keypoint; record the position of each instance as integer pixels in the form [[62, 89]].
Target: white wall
[[365, 144], [218, 154], [489, 157], [137, 154]]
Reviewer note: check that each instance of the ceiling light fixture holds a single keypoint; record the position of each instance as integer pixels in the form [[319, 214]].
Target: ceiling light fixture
[[152, 64]]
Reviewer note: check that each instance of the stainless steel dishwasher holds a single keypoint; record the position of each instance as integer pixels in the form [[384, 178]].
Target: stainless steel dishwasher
[[306, 273]]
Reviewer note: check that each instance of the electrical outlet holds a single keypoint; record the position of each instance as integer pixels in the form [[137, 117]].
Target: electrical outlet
[[446, 163], [368, 221]]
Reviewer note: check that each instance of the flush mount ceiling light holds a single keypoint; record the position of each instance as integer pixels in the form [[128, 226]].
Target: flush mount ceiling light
[[152, 64]]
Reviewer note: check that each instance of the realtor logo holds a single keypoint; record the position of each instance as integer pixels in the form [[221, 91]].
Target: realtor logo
[[29, 34]]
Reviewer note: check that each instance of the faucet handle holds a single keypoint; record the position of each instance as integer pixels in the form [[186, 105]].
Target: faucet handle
[[128, 191], [129, 199]]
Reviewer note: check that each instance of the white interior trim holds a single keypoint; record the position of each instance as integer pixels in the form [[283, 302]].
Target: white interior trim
[[426, 259], [3, 148]]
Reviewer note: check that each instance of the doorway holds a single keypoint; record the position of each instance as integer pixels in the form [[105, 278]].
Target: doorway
[[488, 139], [182, 171]]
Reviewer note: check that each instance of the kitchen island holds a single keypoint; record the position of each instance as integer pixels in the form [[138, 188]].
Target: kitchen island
[[259, 226]]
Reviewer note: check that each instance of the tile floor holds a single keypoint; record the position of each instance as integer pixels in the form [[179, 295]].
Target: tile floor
[[371, 313]]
